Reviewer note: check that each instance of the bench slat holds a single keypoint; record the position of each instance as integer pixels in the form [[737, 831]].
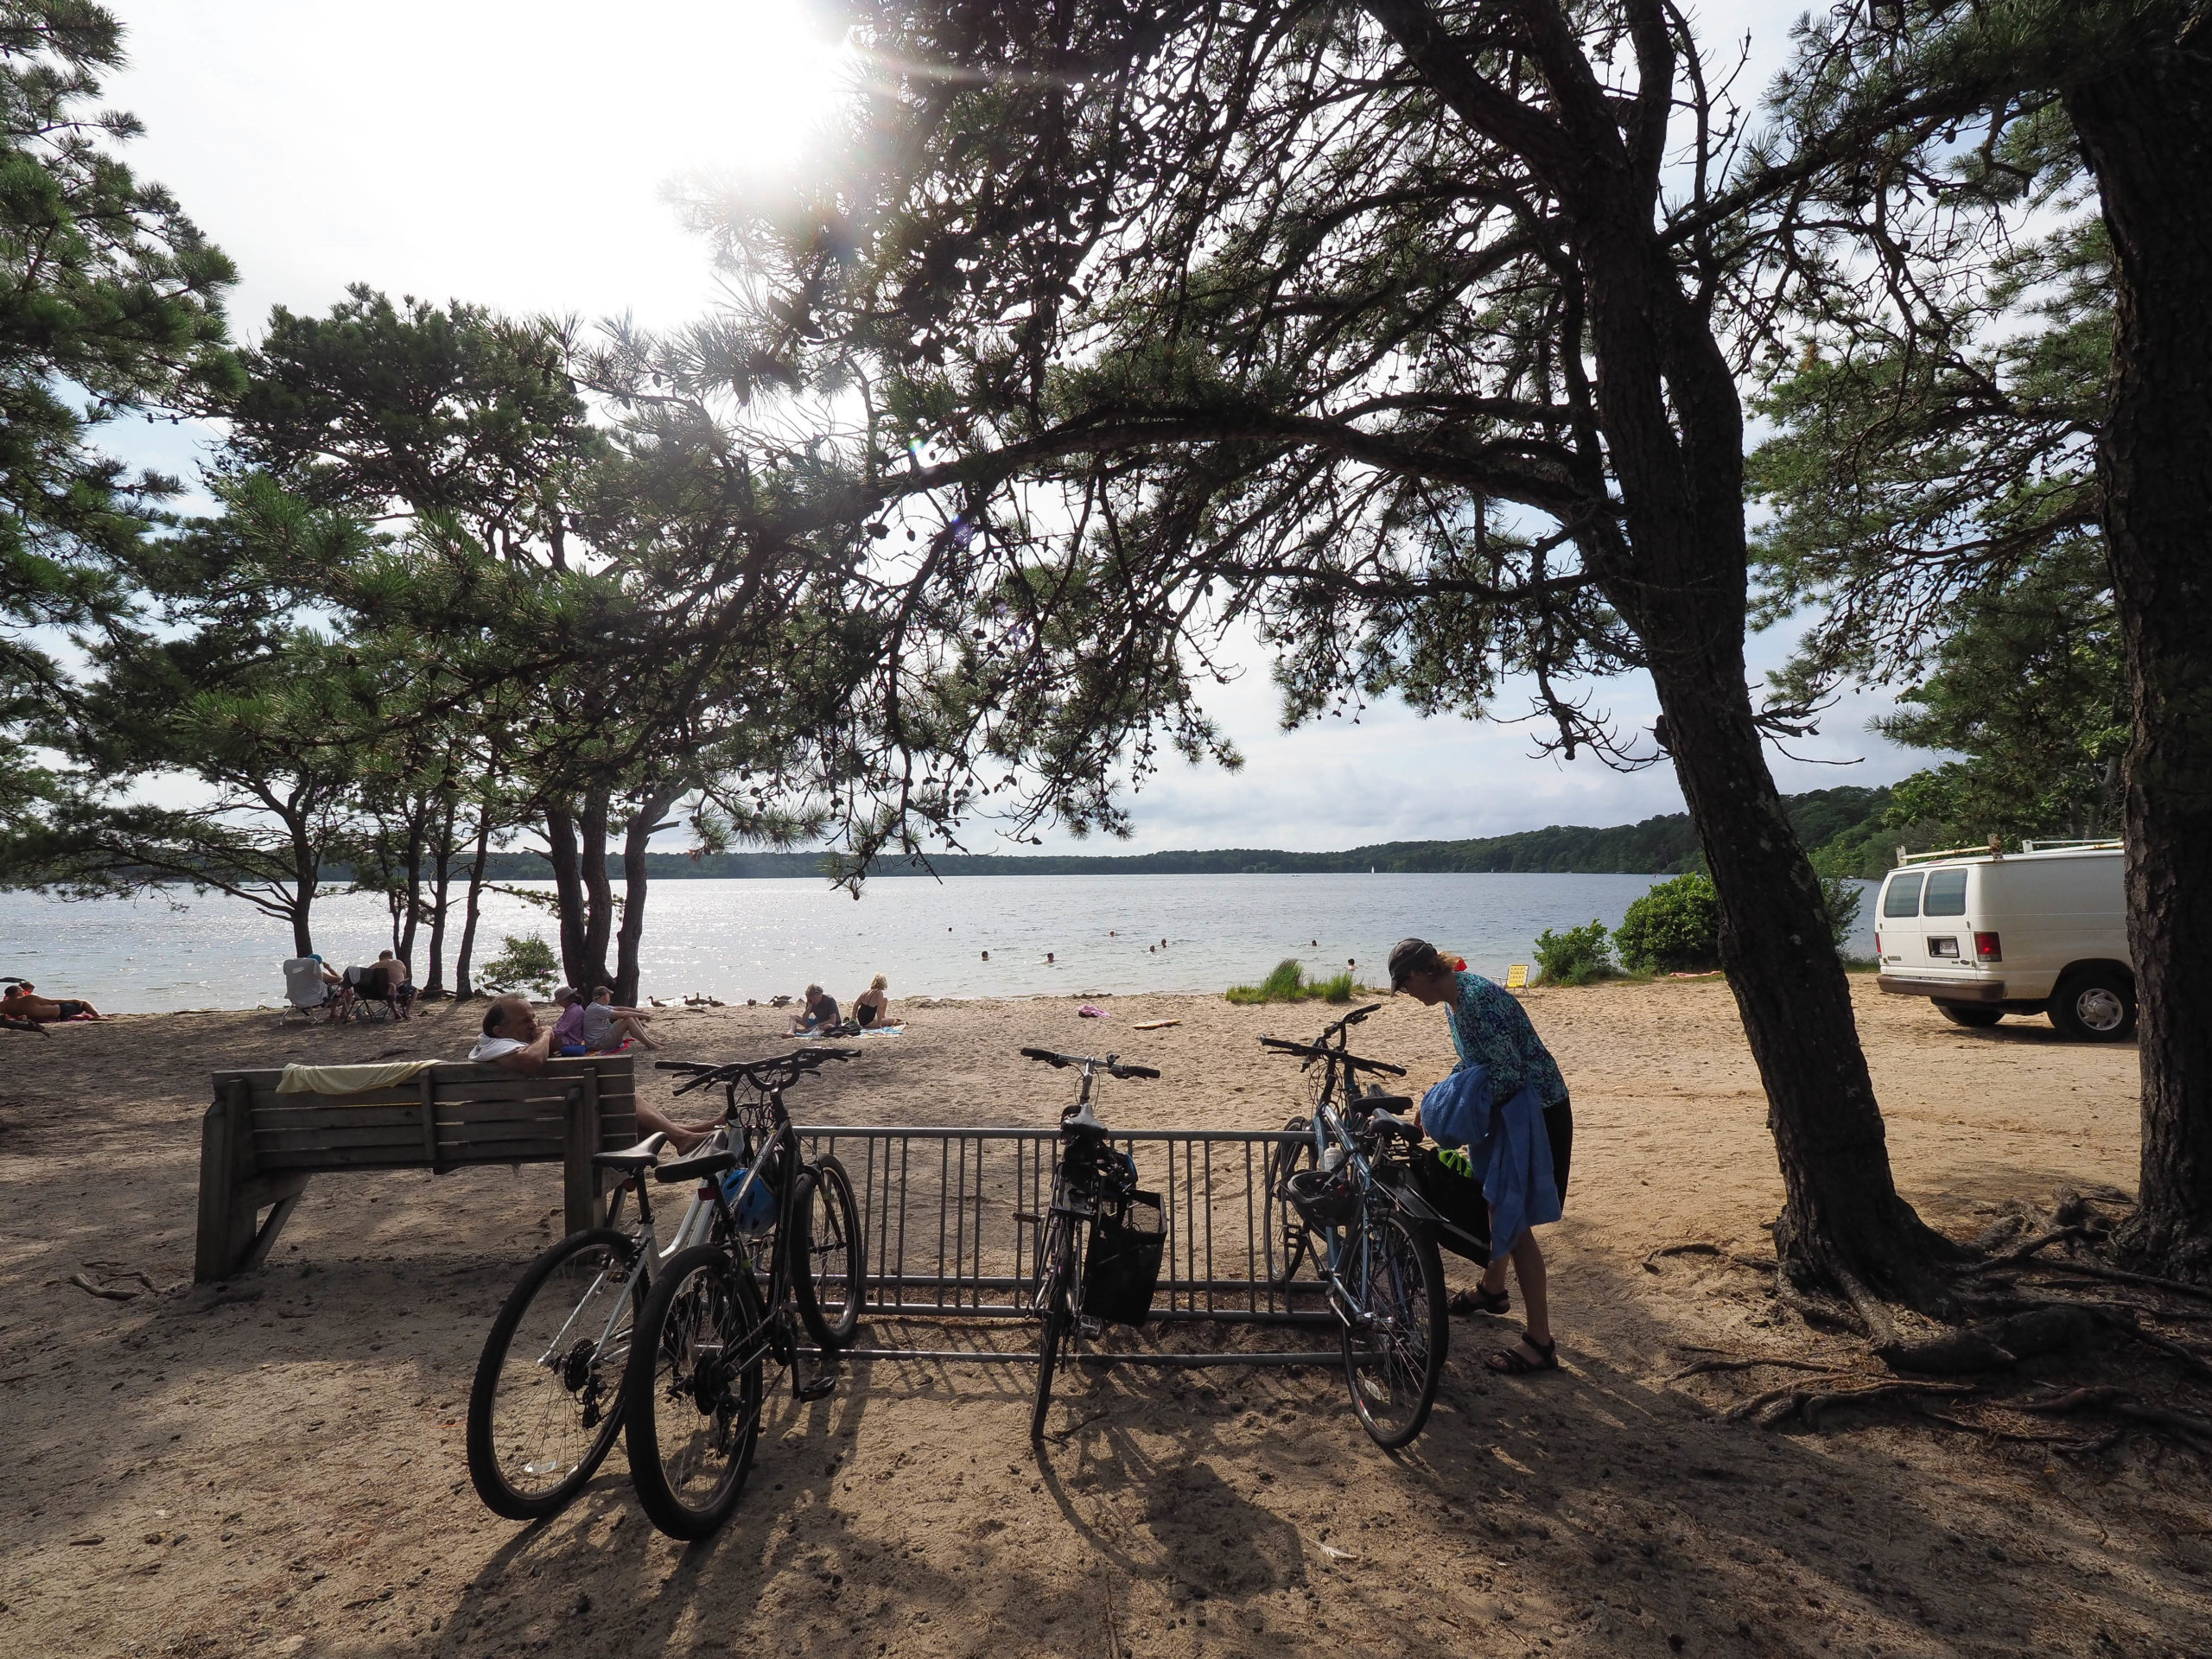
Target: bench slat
[[267, 1119]]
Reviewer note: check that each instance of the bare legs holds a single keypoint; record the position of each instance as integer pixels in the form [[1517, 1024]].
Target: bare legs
[[682, 1136], [1528, 1259]]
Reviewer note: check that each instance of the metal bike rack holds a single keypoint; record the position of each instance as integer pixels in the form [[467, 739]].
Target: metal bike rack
[[949, 1217]]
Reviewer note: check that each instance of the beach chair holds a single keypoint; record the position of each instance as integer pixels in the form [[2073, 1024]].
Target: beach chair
[[304, 988], [1517, 976]]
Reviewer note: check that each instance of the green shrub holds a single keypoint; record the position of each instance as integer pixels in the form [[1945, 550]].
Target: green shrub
[[1673, 929], [1288, 983], [524, 965], [1843, 899], [1575, 958]]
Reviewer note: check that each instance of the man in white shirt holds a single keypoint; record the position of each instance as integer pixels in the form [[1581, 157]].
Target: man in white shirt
[[513, 1040]]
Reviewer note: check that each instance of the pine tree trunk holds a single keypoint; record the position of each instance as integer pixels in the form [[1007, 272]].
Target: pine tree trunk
[[412, 911], [1843, 1224], [2147, 130], [599, 888], [441, 897], [1672, 420], [561, 853], [307, 876], [462, 988], [643, 825]]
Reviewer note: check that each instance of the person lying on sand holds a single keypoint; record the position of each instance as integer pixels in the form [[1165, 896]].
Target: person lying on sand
[[513, 1040], [21, 1002], [1490, 1027]]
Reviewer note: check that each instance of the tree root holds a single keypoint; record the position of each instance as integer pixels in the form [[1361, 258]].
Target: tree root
[[1701, 1247], [2010, 1257], [1814, 1312], [2057, 1442], [1708, 1367], [2195, 1429], [1777, 1406], [2121, 1277]]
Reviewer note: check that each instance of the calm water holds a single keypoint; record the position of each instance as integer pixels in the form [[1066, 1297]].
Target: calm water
[[735, 939]]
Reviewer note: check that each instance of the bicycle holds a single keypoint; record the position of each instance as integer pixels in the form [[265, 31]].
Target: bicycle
[[1377, 1256], [1282, 1223], [693, 1387], [1091, 1182], [548, 1396]]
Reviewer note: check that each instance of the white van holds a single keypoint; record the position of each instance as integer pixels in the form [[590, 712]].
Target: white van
[[1986, 934]]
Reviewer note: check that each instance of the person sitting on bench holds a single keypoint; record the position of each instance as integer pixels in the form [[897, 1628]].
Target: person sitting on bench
[[513, 1040]]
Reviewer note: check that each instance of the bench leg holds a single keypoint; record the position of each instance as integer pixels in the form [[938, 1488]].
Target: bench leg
[[580, 1197], [286, 1190]]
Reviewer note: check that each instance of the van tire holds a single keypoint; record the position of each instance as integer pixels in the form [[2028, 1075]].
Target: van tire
[[1971, 1013], [2095, 1005]]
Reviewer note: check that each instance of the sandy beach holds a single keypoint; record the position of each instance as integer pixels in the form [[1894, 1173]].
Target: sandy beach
[[276, 1468]]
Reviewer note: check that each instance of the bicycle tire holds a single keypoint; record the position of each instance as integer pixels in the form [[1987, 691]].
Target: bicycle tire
[[1284, 1233], [692, 1420], [1392, 1369], [838, 1266], [1058, 1318], [538, 1431]]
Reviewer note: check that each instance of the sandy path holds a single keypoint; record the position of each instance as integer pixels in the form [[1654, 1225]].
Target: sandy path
[[279, 1470]]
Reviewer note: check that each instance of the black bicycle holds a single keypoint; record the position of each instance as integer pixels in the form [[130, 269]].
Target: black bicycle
[[1285, 1236], [1372, 1235], [1092, 1185], [783, 1236]]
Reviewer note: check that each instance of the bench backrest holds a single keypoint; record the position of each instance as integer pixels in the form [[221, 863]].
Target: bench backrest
[[448, 1117]]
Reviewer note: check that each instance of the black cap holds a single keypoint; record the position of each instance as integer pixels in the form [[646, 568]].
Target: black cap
[[1411, 956]]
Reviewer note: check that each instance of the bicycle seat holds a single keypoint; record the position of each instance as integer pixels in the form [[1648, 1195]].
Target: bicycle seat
[[697, 1166], [1083, 1120], [1391, 1123], [1397, 1105], [630, 1160]]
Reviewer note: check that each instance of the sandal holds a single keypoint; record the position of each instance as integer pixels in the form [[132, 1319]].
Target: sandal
[[1511, 1362], [1479, 1300]]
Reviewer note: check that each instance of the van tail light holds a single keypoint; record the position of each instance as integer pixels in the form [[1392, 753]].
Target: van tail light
[[1986, 948], [1877, 944]]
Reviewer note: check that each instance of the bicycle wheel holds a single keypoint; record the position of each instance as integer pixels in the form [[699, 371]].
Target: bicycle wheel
[[547, 1400], [829, 1264], [1394, 1355], [692, 1396], [1060, 1263], [1286, 1236]]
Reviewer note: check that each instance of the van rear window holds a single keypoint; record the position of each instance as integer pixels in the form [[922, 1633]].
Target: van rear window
[[1947, 893], [1902, 896]]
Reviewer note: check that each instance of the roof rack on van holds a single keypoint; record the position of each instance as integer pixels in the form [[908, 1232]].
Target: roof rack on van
[[1995, 849]]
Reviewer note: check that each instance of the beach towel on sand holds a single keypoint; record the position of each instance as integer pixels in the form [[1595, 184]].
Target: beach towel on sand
[[348, 1079]]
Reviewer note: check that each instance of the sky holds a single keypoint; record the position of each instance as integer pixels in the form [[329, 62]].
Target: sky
[[521, 157]]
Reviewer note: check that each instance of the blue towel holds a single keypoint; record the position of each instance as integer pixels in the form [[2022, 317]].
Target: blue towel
[[1518, 1177], [1456, 1112], [1506, 1143]]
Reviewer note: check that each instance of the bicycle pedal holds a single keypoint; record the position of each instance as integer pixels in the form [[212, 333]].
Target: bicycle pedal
[[1090, 1329], [820, 1389]]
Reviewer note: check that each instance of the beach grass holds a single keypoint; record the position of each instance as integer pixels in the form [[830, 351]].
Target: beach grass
[[1288, 982]]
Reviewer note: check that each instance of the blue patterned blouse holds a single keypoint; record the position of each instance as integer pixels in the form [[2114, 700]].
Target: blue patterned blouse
[[1491, 1026]]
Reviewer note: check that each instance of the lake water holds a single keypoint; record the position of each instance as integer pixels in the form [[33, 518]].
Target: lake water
[[757, 938]]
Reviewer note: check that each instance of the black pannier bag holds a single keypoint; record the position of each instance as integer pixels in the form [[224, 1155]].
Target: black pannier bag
[[1123, 1268], [1459, 1199]]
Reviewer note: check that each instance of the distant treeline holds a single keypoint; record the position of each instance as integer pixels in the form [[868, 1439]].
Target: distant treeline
[[1841, 827]]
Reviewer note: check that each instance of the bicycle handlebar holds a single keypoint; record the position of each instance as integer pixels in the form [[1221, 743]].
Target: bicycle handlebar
[[765, 1075], [1110, 1064], [1313, 1052]]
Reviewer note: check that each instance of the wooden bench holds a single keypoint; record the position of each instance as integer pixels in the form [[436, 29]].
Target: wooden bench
[[258, 1148]]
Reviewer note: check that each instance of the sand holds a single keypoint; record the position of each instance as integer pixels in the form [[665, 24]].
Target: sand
[[277, 1469]]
